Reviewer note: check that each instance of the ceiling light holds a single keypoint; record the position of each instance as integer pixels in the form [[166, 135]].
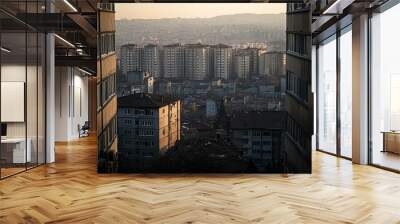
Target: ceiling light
[[337, 7], [71, 6], [64, 40], [5, 50], [84, 71]]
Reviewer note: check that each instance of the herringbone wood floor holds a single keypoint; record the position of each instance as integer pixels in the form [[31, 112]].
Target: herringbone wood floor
[[70, 191]]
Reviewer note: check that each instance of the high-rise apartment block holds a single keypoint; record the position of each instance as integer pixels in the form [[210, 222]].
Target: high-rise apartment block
[[151, 60], [272, 63], [131, 58], [221, 61], [241, 66], [173, 61], [196, 61]]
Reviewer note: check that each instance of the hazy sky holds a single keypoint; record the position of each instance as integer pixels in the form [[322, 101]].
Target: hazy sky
[[192, 10]]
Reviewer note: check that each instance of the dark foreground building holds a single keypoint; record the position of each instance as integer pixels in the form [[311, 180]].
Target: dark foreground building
[[261, 135]]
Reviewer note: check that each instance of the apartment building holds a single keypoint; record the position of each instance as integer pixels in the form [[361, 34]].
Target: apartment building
[[132, 58], [253, 53], [262, 135], [241, 65], [148, 126], [173, 61], [197, 61], [221, 61], [151, 60], [272, 63]]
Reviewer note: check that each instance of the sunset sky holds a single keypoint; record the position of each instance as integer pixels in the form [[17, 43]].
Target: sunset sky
[[192, 10]]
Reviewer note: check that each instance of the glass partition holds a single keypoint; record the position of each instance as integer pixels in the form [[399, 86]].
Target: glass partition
[[326, 98], [22, 77], [14, 154], [346, 92], [385, 89]]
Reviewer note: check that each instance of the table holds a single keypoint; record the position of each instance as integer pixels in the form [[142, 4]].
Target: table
[[391, 141], [13, 150]]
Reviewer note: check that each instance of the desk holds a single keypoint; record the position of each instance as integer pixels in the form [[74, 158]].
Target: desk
[[391, 141], [13, 150]]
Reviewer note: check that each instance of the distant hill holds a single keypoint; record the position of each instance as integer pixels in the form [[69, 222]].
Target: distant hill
[[230, 29]]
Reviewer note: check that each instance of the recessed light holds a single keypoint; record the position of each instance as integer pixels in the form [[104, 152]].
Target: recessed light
[[70, 5], [64, 40], [5, 50]]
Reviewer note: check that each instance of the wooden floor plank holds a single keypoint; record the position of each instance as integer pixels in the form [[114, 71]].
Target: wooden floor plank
[[70, 191]]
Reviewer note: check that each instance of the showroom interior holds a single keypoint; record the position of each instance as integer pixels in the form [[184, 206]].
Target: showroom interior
[[356, 81], [48, 70]]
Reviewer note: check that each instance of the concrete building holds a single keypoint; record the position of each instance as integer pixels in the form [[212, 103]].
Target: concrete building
[[221, 61], [197, 62], [131, 58], [262, 135], [272, 63], [253, 53], [173, 61], [151, 60], [241, 66], [148, 126]]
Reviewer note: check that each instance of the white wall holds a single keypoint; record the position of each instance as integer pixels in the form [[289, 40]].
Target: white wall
[[71, 103]]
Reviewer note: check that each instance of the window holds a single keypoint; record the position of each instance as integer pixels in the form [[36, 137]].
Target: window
[[327, 95], [385, 88], [346, 93], [297, 86], [108, 87], [107, 43]]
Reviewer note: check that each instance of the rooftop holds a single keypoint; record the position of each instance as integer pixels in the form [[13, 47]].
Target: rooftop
[[145, 100], [221, 46], [173, 45], [259, 120]]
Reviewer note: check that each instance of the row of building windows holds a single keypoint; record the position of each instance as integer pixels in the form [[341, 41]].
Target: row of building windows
[[139, 132], [139, 122], [139, 111], [297, 133], [298, 43], [257, 133], [107, 137], [108, 88], [106, 6], [106, 43], [131, 142], [297, 86]]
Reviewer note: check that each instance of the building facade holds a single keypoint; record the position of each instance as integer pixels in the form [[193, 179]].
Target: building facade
[[299, 103], [272, 63], [132, 58], [221, 61], [262, 136], [241, 66], [107, 139], [148, 126], [173, 61], [151, 60], [196, 61]]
